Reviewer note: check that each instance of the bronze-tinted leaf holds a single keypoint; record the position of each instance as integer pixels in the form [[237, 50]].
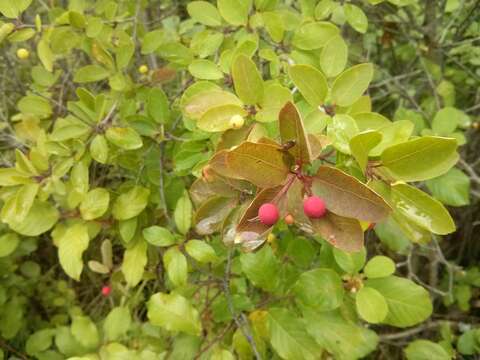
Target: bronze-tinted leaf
[[233, 137], [263, 165], [211, 214], [343, 233], [346, 196], [219, 164], [292, 130], [250, 229]]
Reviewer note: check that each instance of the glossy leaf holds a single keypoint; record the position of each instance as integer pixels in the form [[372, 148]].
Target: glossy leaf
[[95, 204], [422, 209], [125, 138], [425, 350], [218, 118], [235, 12], [70, 249], [175, 266], [211, 214], [421, 158], [204, 13], [183, 214], [451, 188], [356, 18], [41, 218], [261, 268], [158, 236]]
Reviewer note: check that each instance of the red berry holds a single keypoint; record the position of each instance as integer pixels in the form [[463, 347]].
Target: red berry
[[106, 290], [314, 207], [289, 219], [268, 214]]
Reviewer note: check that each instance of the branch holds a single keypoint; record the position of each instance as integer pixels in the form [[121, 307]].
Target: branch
[[241, 321]]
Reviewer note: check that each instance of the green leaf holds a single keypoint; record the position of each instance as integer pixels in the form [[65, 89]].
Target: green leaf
[[13, 8], [35, 105], [288, 336], [125, 138], [71, 247], [362, 144], [247, 80], [18, 205], [340, 337], [85, 332], [205, 70], [197, 105], [356, 18], [341, 130], [8, 243], [45, 55], [134, 261], [334, 56], [379, 266], [271, 105], [95, 204], [343, 233], [131, 203], [41, 218], [321, 289], [452, 188], [346, 196], [350, 85], [261, 164], [90, 73], [117, 323], [408, 304], [292, 130], [350, 262], [99, 149], [235, 12], [371, 305], [425, 350], [158, 236], [261, 268], [176, 266], [274, 25], [446, 121], [201, 251], [218, 118], [204, 13], [157, 106], [183, 213], [174, 313], [310, 82], [422, 209], [314, 35], [421, 158], [39, 341]]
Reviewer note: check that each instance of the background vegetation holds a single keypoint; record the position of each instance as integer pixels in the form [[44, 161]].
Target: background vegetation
[[116, 228]]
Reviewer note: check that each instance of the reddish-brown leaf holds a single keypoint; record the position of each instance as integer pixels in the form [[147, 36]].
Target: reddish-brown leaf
[[263, 165], [211, 214], [343, 233], [346, 196], [292, 130]]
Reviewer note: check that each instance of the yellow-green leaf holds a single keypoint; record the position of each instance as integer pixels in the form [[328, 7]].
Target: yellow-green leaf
[[310, 82], [350, 85]]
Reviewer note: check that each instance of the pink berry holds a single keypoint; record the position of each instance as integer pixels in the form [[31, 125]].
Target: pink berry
[[268, 214], [106, 290], [314, 207]]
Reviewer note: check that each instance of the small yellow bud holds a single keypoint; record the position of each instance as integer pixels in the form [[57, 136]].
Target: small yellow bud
[[271, 238], [237, 121], [143, 69], [23, 53]]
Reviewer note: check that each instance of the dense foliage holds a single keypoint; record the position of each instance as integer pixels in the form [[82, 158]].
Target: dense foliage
[[239, 179]]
